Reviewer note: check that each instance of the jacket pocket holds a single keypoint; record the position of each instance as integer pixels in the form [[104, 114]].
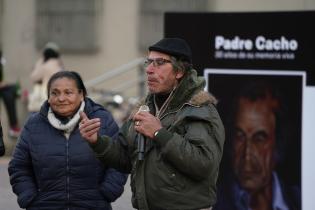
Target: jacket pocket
[[169, 177]]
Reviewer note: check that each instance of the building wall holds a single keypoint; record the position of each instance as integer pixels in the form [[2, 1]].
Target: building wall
[[118, 39], [118, 33], [18, 39]]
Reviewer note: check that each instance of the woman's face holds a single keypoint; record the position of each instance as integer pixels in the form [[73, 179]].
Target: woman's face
[[64, 97]]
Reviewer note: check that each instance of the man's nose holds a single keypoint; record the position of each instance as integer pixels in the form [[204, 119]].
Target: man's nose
[[247, 150], [150, 68]]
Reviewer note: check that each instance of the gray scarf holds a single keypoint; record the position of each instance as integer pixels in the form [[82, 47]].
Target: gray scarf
[[69, 126]]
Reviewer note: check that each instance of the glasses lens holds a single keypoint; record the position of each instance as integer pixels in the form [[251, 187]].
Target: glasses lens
[[147, 62], [160, 61]]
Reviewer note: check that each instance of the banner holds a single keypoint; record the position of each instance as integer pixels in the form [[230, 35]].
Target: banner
[[265, 40], [260, 66]]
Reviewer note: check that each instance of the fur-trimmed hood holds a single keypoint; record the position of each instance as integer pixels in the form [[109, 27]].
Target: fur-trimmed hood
[[203, 97]]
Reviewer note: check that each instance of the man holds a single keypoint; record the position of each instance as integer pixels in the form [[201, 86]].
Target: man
[[183, 134], [8, 92], [257, 147]]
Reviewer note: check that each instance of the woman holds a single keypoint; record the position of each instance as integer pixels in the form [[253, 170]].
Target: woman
[[45, 67], [52, 166]]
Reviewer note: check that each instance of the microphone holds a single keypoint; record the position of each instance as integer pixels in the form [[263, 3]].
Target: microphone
[[139, 137]]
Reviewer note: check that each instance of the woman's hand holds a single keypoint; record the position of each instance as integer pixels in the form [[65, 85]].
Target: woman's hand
[[89, 128]]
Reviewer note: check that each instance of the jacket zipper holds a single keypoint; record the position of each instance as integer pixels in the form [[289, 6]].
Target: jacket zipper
[[67, 174]]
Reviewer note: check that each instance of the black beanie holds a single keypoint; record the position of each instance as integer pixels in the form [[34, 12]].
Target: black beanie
[[173, 46]]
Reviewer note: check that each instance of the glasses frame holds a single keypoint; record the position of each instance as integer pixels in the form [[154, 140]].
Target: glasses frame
[[157, 62]]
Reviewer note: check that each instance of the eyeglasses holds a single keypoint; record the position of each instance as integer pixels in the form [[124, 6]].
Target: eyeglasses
[[156, 62]]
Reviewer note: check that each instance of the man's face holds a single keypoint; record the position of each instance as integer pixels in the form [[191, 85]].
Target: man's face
[[254, 144], [161, 78]]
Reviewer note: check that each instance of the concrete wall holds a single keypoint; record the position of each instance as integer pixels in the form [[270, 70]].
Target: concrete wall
[[117, 28]]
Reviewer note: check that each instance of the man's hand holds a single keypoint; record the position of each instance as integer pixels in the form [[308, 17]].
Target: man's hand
[[146, 124], [89, 128]]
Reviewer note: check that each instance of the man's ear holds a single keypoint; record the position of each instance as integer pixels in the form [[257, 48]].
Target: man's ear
[[179, 74]]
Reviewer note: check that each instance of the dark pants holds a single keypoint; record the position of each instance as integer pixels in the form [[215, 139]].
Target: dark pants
[[2, 148], [8, 94]]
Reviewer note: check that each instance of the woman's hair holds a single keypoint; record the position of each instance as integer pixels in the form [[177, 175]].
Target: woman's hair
[[49, 53], [70, 75], [51, 50]]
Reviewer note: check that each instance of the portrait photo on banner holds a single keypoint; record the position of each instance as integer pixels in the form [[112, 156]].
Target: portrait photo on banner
[[262, 114]]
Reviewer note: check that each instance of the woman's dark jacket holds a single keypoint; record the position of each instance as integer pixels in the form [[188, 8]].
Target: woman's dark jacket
[[181, 164], [47, 171]]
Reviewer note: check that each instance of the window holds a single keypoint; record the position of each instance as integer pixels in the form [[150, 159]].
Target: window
[[70, 23]]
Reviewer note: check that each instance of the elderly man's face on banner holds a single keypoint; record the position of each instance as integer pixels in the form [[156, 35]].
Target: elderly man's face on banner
[[254, 143]]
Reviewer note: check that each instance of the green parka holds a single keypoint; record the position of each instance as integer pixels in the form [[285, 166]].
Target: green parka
[[181, 164]]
